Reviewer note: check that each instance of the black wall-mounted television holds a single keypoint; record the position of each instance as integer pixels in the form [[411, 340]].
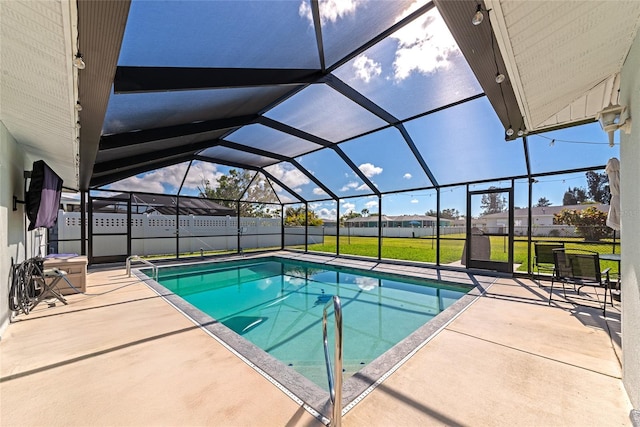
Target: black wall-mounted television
[[43, 198]]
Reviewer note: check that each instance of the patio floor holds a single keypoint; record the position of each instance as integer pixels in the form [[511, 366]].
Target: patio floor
[[127, 357]]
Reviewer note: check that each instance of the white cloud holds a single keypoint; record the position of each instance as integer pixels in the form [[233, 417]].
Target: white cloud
[[104, 193], [283, 195], [289, 176], [199, 172], [355, 186], [169, 177], [347, 207], [71, 196], [366, 68], [370, 170], [407, 176], [330, 10], [349, 186], [371, 204], [424, 45], [286, 199], [367, 283], [415, 201], [325, 213], [319, 191], [139, 183]]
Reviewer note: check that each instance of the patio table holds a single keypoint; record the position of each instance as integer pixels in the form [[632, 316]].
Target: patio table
[[616, 258]]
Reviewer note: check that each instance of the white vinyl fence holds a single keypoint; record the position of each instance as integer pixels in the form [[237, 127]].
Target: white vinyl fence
[[156, 234]]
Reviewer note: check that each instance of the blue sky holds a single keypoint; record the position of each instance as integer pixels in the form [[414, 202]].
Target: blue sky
[[414, 70]]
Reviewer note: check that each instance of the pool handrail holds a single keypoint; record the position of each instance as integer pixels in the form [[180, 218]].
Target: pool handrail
[[144, 261], [335, 377]]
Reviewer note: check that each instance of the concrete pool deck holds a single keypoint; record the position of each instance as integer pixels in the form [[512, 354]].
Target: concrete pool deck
[[127, 357]]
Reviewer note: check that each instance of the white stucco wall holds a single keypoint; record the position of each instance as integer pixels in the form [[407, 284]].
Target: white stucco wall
[[630, 223], [12, 240]]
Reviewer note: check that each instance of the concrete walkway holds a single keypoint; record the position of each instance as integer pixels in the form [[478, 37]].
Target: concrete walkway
[[125, 357]]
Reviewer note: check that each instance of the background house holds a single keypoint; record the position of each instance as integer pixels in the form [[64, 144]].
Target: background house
[[407, 221], [541, 220]]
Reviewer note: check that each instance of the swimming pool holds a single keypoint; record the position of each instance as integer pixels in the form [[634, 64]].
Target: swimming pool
[[276, 304]]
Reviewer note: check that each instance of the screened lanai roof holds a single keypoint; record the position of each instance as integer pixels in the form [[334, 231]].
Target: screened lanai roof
[[322, 99]]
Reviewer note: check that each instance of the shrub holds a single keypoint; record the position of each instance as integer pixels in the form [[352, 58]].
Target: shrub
[[590, 223]]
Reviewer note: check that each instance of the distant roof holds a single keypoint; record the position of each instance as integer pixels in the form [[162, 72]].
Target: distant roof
[[548, 210], [166, 205], [403, 218]]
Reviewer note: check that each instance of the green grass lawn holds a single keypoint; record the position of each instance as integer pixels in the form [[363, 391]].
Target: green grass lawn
[[424, 249]]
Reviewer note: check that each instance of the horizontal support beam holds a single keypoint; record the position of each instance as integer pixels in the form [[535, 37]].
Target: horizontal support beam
[[130, 161], [259, 152], [355, 96], [119, 140], [273, 124], [162, 79], [227, 163], [253, 150], [117, 175]]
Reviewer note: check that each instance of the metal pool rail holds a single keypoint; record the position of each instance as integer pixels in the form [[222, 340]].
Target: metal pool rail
[[335, 377], [137, 258]]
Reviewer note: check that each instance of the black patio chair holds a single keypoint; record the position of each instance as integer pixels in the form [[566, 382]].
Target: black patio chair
[[543, 260], [580, 268]]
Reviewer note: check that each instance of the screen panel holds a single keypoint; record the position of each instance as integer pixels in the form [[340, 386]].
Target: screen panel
[[466, 143], [414, 70], [386, 160], [334, 173], [571, 148], [165, 180], [309, 110], [180, 34]]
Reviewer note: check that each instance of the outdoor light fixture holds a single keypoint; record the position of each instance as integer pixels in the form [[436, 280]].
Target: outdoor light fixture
[[520, 132], [78, 106], [510, 131], [500, 78], [478, 17], [78, 62], [610, 120]]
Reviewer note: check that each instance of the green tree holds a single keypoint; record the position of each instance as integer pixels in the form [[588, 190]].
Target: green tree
[[493, 203], [445, 213], [296, 216], [542, 202], [450, 213], [364, 212], [237, 185], [574, 196], [598, 186], [348, 216], [590, 223]]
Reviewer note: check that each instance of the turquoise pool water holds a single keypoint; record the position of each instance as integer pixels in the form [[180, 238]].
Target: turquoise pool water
[[277, 305]]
